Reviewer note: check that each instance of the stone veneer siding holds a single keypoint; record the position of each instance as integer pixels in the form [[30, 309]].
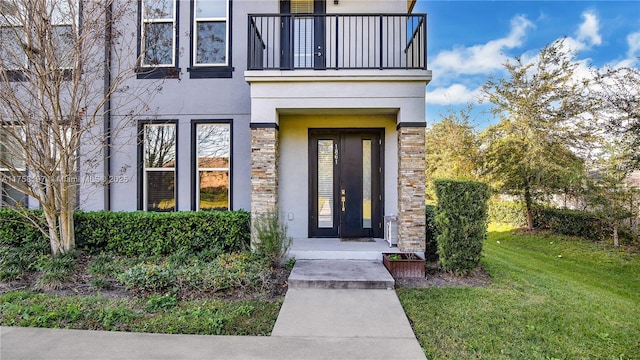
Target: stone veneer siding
[[264, 170], [411, 188]]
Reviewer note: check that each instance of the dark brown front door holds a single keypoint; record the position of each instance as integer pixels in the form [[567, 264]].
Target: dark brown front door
[[345, 183]]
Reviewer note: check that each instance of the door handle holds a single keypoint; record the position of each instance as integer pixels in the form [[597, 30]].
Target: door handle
[[343, 198]]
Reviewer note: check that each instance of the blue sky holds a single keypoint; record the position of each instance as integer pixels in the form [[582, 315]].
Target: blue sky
[[469, 40]]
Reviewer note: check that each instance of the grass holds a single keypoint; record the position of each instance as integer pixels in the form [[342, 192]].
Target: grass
[[152, 315], [185, 293], [553, 297]]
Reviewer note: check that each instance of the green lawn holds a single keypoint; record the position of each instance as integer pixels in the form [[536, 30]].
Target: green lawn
[[158, 314], [552, 298]]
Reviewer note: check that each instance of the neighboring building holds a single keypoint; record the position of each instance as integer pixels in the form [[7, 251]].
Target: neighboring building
[[311, 107]]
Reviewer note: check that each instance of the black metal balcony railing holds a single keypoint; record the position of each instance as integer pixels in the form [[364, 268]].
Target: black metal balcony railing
[[337, 41]]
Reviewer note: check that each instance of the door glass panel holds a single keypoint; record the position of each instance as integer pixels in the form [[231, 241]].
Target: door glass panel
[[302, 34], [303, 43], [366, 184], [325, 184]]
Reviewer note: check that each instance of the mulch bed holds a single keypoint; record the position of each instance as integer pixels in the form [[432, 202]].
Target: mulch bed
[[435, 277]]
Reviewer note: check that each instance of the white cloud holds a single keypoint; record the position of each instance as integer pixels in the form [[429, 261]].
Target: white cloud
[[483, 58], [633, 40], [588, 32], [454, 94]]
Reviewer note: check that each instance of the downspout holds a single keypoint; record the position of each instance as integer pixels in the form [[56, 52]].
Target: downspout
[[107, 106]]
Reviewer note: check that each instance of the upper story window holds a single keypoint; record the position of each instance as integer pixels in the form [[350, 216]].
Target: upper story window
[[210, 27], [38, 33], [63, 16], [158, 42], [12, 37], [211, 39]]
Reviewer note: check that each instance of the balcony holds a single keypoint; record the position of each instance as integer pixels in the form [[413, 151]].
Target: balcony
[[337, 41]]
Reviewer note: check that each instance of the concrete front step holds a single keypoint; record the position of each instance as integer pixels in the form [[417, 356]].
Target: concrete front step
[[340, 274], [335, 249]]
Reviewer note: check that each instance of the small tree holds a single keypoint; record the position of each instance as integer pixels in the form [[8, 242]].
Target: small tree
[[608, 191], [530, 153], [616, 93], [451, 149], [58, 71]]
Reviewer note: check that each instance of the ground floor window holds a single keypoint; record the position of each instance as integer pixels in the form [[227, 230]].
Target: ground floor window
[[159, 141], [212, 165], [12, 169]]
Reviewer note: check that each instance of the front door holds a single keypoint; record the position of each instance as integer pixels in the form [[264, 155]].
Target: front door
[[345, 183]]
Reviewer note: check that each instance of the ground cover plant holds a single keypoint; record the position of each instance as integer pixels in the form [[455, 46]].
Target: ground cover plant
[[552, 297], [185, 292]]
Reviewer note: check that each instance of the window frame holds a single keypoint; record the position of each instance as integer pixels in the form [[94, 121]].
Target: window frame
[[195, 169], [142, 168], [73, 22], [204, 71], [159, 71], [8, 172]]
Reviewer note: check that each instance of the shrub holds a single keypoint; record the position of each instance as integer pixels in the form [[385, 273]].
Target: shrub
[[138, 233], [507, 212], [103, 265], [272, 241], [55, 270], [431, 248], [461, 222], [571, 222], [21, 243], [149, 278], [149, 233], [227, 271], [17, 231]]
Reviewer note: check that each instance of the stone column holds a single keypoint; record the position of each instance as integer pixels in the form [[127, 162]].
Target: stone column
[[411, 187], [264, 170]]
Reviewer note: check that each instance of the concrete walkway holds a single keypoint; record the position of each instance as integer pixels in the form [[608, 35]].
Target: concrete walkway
[[314, 323]]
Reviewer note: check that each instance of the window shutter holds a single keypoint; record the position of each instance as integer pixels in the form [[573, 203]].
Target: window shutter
[[302, 6]]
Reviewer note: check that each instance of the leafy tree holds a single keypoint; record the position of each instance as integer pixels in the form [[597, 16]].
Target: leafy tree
[[609, 193], [615, 96], [451, 149], [530, 152], [616, 93], [58, 71]]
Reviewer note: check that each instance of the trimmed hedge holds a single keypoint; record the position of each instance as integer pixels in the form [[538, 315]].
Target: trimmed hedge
[[143, 233], [461, 222], [16, 230], [571, 222], [507, 212], [431, 248]]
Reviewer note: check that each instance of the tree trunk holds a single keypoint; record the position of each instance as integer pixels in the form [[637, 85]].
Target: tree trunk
[[528, 202], [616, 240], [67, 234], [54, 238]]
